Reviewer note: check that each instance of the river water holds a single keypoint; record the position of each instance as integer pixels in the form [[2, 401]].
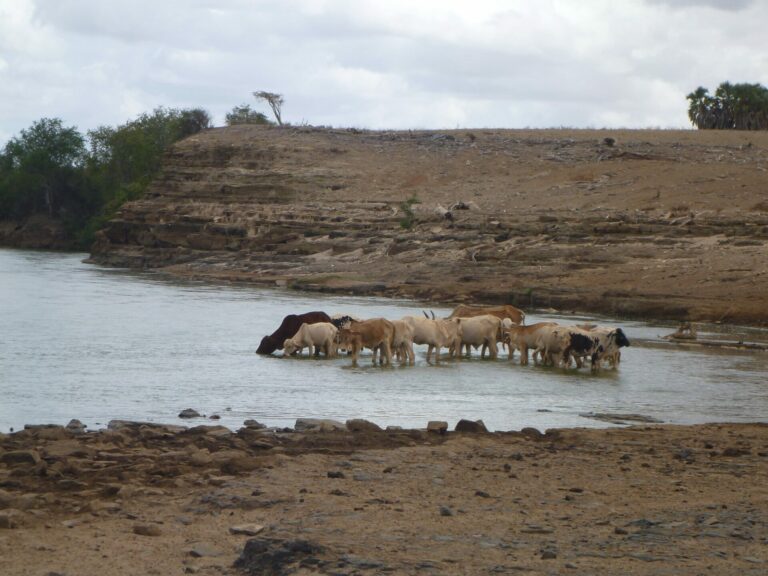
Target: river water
[[80, 341]]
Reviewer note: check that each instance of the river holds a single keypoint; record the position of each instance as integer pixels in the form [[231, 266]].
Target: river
[[96, 344]]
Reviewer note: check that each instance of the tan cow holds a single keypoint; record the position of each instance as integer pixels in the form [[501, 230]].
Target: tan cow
[[505, 311], [524, 337], [402, 341], [435, 334], [321, 335], [376, 334], [484, 330]]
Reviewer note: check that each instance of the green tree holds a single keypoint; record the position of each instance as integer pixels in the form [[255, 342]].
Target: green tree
[[40, 171], [244, 114], [732, 107]]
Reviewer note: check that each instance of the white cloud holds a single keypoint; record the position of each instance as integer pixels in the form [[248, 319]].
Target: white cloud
[[394, 64]]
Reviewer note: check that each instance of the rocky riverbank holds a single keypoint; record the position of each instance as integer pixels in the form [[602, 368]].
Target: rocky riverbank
[[328, 498], [646, 224]]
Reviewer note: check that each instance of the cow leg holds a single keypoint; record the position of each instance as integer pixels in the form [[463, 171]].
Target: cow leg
[[410, 353], [523, 355], [493, 350], [387, 353]]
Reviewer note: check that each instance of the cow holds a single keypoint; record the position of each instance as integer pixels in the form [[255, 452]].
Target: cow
[[435, 334], [376, 334], [320, 336], [597, 344], [288, 328], [615, 358], [505, 311], [402, 341], [343, 320], [524, 337], [479, 331], [551, 344]]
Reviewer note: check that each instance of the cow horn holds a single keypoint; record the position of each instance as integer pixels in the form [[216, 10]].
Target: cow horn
[[433, 314], [425, 314]]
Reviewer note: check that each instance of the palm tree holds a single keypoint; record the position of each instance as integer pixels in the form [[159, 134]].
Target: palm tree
[[733, 107]]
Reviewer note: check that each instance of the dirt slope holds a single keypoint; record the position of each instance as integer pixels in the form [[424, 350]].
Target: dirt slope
[[665, 224]]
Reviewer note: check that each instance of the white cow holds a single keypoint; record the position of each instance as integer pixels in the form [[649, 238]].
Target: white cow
[[435, 333], [484, 330], [321, 335], [402, 341]]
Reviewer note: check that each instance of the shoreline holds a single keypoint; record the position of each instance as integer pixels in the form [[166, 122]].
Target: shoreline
[[154, 499]]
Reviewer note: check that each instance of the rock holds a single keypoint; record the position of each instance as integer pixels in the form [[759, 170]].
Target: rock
[[6, 498], [482, 494], [360, 425], [437, 426], [361, 563], [189, 413], [684, 454], [10, 519], [620, 530], [203, 551], [548, 554], [254, 425], [317, 425], [246, 529], [21, 457], [394, 428], [475, 427], [335, 474], [201, 458], [531, 433], [147, 530], [270, 556], [446, 511], [76, 427], [735, 452]]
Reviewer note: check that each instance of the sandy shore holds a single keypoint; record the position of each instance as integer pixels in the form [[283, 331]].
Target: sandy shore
[[151, 499]]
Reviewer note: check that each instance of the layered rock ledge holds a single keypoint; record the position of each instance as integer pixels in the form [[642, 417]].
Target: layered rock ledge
[[663, 224]]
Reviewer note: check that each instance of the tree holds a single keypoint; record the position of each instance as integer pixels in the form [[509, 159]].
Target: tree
[[39, 170], [243, 114], [275, 102], [732, 107]]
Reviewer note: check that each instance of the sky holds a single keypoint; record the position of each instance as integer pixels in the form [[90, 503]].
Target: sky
[[393, 64]]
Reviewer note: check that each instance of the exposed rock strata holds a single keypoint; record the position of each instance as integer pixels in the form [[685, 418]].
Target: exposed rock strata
[[661, 224]]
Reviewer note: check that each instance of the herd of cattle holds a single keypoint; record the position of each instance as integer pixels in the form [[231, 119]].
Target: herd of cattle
[[467, 327]]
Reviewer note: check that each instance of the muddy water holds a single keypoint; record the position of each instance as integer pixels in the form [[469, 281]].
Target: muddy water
[[78, 341]]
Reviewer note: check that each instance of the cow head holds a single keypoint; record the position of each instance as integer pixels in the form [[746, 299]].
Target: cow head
[[621, 338], [290, 347], [267, 346]]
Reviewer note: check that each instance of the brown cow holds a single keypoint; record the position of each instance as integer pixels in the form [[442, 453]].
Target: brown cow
[[376, 334], [525, 337], [288, 328], [505, 311]]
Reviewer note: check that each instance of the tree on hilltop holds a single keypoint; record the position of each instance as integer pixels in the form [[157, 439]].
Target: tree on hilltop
[[244, 114], [732, 107], [275, 102]]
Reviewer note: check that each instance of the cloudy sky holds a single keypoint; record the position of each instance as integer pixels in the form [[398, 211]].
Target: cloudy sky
[[376, 63]]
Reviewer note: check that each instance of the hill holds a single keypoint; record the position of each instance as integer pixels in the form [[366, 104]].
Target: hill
[[659, 224]]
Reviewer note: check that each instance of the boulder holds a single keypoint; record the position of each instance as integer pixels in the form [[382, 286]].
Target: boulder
[[471, 426], [317, 425], [254, 425], [189, 413], [20, 457], [360, 425], [76, 427], [437, 426]]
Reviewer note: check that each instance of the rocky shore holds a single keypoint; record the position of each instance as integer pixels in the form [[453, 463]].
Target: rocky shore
[[350, 498], [645, 224]]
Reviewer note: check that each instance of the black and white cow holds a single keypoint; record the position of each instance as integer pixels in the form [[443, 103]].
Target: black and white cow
[[596, 344]]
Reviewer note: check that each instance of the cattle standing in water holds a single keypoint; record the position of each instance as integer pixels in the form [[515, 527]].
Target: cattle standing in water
[[375, 334], [316, 337], [505, 311], [288, 329], [597, 344], [402, 342], [524, 337], [435, 334], [479, 331]]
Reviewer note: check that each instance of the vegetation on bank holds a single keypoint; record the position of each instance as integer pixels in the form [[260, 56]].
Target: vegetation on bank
[[81, 180], [732, 107]]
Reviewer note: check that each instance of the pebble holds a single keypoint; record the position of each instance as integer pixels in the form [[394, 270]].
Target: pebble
[[445, 511], [246, 529], [147, 530]]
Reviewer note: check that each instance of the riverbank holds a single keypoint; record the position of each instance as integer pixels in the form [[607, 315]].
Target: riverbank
[[154, 499], [642, 224]]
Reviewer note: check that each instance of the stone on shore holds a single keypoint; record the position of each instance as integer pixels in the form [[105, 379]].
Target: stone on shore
[[189, 413], [471, 426], [360, 425], [437, 426], [318, 425]]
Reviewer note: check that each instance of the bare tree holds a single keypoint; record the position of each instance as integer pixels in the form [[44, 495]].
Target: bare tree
[[275, 102]]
